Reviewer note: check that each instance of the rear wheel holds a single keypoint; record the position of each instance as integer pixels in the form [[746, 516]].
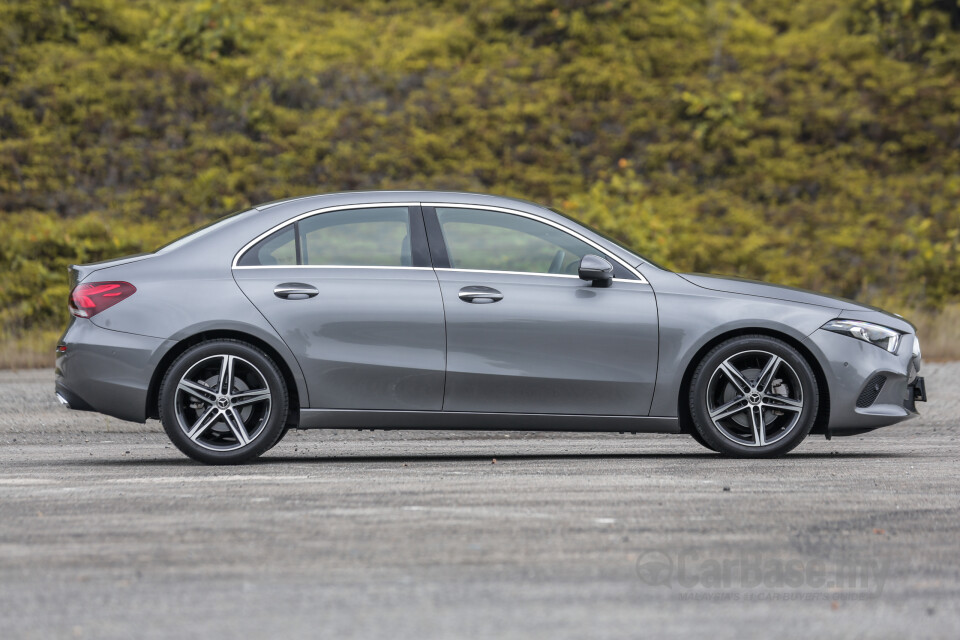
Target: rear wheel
[[753, 396], [282, 434], [223, 402]]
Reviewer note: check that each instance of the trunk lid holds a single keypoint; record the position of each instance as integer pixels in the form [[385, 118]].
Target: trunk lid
[[80, 272]]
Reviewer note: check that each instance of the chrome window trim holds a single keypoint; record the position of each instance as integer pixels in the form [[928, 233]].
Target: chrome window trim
[[524, 214], [329, 266], [450, 205], [342, 207], [509, 273], [520, 273]]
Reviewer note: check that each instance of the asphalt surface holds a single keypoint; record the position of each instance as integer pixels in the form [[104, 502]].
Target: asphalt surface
[[107, 531]]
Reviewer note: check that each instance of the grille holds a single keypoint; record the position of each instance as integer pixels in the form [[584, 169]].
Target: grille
[[870, 392]]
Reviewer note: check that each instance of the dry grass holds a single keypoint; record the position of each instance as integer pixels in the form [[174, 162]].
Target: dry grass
[[939, 336], [29, 350], [939, 332]]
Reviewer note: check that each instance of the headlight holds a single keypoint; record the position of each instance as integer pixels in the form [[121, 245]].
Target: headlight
[[883, 337], [916, 360]]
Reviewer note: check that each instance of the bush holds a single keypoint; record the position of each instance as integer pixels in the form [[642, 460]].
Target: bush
[[808, 142]]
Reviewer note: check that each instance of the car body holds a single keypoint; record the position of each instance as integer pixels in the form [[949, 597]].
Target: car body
[[420, 310]]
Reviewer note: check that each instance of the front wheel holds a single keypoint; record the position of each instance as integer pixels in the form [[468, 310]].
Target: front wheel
[[753, 396], [223, 402]]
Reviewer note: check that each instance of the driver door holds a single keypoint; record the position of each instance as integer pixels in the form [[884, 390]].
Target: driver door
[[524, 333]]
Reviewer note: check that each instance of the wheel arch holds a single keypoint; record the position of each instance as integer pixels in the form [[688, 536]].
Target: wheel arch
[[153, 391], [823, 410]]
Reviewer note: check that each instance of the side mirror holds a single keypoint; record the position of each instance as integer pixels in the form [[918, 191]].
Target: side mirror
[[596, 270]]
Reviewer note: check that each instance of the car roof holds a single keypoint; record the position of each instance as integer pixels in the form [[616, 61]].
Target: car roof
[[316, 201]]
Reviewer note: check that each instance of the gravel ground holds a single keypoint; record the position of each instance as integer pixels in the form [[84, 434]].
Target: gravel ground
[[107, 531]]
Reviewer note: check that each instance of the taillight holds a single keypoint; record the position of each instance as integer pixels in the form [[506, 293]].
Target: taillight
[[90, 298]]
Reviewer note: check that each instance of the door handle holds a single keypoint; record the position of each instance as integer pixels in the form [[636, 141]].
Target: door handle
[[294, 291], [480, 295]]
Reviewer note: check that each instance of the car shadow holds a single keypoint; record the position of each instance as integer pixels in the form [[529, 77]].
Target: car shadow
[[554, 456], [132, 461]]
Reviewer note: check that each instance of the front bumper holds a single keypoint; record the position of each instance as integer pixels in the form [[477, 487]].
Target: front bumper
[[868, 387], [106, 371], [916, 392]]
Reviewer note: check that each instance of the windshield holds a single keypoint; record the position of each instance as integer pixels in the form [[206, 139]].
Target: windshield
[[201, 231], [612, 241]]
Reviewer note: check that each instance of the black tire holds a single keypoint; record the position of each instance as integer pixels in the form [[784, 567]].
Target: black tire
[[282, 435], [699, 438], [234, 434], [778, 410]]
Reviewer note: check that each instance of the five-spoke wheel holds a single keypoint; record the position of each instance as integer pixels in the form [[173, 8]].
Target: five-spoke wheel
[[223, 401], [753, 395]]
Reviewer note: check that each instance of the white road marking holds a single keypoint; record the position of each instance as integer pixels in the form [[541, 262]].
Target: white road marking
[[206, 479]]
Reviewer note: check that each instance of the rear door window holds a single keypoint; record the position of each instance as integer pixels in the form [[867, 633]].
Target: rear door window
[[367, 237], [376, 237]]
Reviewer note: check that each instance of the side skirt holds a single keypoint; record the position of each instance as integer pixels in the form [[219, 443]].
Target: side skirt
[[364, 419]]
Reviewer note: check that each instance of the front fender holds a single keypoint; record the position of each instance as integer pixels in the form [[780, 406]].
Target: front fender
[[691, 318]]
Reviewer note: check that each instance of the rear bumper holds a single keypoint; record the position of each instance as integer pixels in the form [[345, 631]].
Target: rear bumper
[[69, 399], [106, 371], [868, 387]]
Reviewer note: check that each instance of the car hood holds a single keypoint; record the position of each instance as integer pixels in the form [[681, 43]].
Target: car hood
[[780, 292]]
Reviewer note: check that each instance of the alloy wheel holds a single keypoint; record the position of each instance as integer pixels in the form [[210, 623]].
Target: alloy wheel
[[754, 398], [223, 403]]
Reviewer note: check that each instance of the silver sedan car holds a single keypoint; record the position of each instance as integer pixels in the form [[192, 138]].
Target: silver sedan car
[[431, 310]]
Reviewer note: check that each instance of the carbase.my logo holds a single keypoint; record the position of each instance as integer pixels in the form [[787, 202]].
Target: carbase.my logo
[[752, 570]]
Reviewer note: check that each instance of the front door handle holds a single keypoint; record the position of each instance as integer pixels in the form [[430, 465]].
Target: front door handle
[[480, 295], [294, 291]]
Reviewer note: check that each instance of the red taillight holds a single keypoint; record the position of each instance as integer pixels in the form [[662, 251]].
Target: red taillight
[[90, 298]]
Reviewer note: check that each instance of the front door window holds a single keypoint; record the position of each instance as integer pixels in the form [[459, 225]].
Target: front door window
[[495, 241]]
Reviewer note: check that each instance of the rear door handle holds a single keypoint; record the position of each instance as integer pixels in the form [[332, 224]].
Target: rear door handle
[[480, 295], [294, 291]]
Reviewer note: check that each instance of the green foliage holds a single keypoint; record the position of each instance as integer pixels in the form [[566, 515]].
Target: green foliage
[[809, 142], [206, 30], [36, 249]]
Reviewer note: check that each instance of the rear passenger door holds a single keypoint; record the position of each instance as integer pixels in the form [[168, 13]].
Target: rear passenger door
[[352, 293]]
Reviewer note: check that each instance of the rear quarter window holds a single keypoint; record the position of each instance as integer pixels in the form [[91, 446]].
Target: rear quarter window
[[279, 248]]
